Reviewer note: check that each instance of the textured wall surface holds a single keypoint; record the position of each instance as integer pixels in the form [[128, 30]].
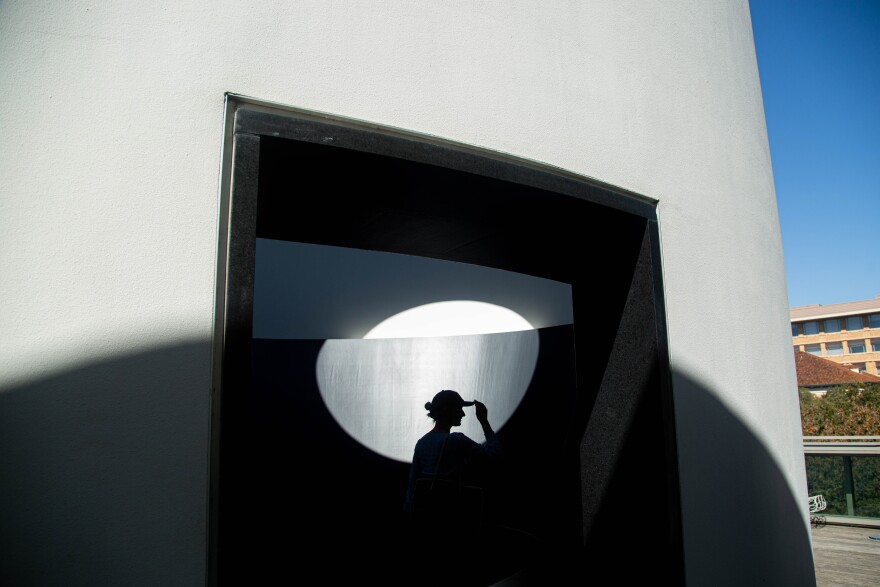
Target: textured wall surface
[[112, 117]]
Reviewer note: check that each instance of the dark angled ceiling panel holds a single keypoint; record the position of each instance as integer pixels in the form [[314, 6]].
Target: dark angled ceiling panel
[[323, 194]]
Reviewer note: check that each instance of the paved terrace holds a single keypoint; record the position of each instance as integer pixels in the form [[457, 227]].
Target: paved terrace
[[846, 557]]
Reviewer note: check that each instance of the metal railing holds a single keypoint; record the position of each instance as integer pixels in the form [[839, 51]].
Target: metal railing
[[846, 471]]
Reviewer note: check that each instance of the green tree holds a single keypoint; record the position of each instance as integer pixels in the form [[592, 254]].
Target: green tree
[[852, 409]]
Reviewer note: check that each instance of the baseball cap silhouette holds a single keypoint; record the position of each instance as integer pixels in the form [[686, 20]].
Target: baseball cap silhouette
[[446, 399]]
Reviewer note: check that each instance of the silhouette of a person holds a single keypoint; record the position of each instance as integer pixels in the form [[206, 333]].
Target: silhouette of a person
[[446, 534], [446, 455]]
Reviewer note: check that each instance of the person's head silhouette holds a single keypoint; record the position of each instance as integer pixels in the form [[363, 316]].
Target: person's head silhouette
[[446, 408]]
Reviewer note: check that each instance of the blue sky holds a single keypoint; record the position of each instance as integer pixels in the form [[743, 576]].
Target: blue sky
[[819, 62]]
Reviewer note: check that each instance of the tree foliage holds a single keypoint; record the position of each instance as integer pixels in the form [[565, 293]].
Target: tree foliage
[[851, 409]]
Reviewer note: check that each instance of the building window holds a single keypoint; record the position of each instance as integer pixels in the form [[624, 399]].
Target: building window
[[813, 349], [833, 348], [811, 327], [875, 345], [874, 321], [856, 346], [794, 330], [854, 323], [859, 368], [832, 325]]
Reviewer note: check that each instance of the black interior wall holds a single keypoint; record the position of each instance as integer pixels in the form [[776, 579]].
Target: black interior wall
[[346, 186], [628, 460]]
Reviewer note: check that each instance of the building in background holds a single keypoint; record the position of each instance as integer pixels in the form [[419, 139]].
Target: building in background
[[847, 333]]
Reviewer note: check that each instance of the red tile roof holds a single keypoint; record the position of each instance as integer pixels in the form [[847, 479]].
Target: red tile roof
[[813, 371]]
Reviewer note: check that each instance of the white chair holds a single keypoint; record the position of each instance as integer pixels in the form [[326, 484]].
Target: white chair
[[817, 504]]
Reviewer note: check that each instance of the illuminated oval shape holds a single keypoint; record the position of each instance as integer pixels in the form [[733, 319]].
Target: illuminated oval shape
[[376, 388], [452, 318]]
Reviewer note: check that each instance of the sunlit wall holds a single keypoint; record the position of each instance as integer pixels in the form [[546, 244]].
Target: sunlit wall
[[112, 118]]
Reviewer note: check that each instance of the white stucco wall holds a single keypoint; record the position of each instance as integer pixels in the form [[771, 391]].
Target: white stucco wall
[[112, 119]]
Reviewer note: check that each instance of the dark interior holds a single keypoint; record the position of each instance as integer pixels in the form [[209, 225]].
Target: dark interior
[[293, 492]]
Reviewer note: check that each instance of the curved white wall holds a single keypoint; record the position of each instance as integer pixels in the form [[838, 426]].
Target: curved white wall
[[112, 121]]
